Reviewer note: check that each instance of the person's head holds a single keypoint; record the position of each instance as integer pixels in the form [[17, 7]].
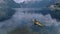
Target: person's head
[[33, 20]]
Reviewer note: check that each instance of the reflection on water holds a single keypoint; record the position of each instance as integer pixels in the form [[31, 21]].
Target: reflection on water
[[43, 11]]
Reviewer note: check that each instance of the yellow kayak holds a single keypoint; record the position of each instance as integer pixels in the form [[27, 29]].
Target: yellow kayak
[[37, 23]]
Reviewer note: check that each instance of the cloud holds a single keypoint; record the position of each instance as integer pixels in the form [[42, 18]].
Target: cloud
[[20, 1]]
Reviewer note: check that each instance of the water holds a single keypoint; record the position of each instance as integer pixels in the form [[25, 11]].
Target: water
[[24, 23], [22, 20]]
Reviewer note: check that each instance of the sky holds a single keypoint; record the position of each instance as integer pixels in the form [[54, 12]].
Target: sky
[[19, 1]]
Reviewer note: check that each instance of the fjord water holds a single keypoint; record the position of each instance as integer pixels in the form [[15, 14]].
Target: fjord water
[[23, 20]]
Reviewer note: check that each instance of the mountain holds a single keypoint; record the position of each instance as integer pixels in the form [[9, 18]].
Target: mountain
[[27, 4], [6, 11], [8, 4], [35, 4], [12, 4]]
